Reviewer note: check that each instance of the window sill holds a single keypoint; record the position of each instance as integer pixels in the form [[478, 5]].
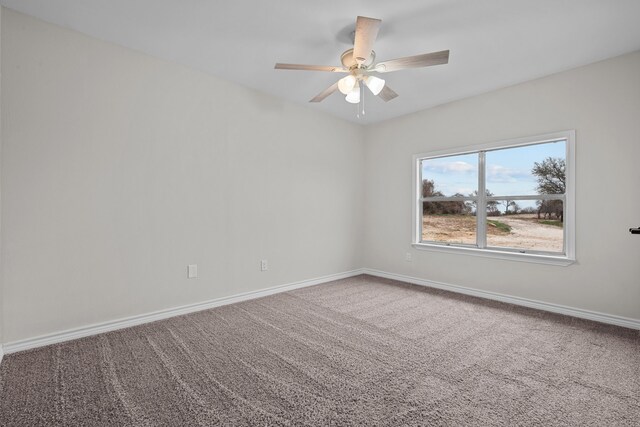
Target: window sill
[[496, 254]]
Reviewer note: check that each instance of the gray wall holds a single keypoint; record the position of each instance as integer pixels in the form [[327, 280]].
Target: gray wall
[[119, 169], [1, 280], [602, 103]]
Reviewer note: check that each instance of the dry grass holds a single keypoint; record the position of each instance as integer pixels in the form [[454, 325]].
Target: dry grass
[[527, 232]]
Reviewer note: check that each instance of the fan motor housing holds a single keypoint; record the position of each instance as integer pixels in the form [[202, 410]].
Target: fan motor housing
[[349, 61]]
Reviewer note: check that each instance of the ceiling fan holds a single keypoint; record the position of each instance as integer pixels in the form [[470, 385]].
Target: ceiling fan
[[359, 64]]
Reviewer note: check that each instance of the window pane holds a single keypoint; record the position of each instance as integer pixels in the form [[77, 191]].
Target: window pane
[[450, 176], [535, 225], [528, 170], [449, 222]]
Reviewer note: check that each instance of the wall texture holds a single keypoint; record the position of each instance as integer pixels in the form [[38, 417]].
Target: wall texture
[[119, 169], [1, 285], [602, 103]]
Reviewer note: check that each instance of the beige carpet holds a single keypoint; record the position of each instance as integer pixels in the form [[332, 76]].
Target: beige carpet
[[361, 351]]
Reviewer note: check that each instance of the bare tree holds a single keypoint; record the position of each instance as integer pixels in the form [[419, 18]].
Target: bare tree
[[507, 204], [492, 205], [550, 208], [551, 176], [429, 189], [442, 207]]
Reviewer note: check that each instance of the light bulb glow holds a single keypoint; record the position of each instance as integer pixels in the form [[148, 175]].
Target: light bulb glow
[[346, 84], [354, 96], [375, 84]]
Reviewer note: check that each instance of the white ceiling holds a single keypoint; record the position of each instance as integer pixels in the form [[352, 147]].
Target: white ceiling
[[493, 43]]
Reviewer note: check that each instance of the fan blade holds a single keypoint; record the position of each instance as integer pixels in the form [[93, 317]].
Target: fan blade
[[387, 94], [311, 68], [366, 33], [425, 60], [328, 91]]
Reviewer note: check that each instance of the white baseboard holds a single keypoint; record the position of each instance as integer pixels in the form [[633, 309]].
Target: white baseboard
[[540, 305], [98, 328], [85, 331]]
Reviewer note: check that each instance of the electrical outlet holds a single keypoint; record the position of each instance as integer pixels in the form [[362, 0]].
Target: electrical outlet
[[192, 271], [264, 265], [408, 257]]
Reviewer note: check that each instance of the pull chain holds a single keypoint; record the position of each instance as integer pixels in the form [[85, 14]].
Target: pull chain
[[360, 105], [362, 96]]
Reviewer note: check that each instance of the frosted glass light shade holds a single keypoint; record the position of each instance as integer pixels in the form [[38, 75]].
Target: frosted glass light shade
[[346, 84], [375, 84], [353, 96]]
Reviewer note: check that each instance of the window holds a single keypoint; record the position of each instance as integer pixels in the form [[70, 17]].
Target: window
[[510, 199]]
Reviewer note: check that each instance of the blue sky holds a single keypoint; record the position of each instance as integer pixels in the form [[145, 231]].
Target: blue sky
[[508, 170]]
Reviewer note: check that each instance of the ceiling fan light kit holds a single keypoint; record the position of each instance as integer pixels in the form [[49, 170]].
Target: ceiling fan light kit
[[359, 63], [353, 97], [346, 84], [375, 84]]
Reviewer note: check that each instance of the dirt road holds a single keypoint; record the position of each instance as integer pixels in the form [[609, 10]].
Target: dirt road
[[526, 232]]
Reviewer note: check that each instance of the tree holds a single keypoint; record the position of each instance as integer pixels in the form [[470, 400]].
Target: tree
[[549, 208], [429, 188], [509, 203], [454, 207], [442, 207], [492, 205], [551, 176]]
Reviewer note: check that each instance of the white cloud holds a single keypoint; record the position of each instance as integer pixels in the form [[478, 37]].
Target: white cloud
[[447, 167], [497, 173]]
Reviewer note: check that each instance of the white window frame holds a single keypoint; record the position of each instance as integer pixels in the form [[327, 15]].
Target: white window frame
[[567, 258]]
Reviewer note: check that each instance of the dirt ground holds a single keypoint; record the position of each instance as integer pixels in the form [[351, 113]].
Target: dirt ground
[[526, 232]]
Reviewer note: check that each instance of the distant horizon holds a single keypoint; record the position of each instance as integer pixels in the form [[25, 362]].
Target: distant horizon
[[508, 171]]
